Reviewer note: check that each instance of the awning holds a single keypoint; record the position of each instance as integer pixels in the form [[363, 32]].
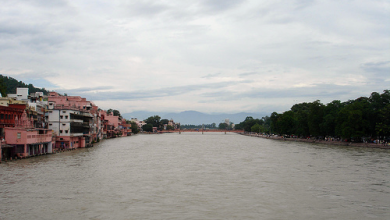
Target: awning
[[6, 146]]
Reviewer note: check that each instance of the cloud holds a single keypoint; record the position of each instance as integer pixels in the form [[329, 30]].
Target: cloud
[[144, 8], [211, 55], [247, 74], [104, 93], [220, 5], [211, 75], [381, 68]]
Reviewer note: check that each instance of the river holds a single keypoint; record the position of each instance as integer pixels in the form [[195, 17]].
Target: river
[[199, 176]]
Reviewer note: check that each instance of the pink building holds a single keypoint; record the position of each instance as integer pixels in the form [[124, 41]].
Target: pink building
[[114, 126], [125, 128], [24, 140], [112, 119]]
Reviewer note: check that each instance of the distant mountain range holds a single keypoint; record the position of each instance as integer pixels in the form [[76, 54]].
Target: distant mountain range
[[194, 117]]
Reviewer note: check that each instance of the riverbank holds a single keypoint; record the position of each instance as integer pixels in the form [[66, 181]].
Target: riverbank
[[338, 143]]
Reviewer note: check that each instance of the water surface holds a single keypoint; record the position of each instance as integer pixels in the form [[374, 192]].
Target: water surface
[[195, 176]]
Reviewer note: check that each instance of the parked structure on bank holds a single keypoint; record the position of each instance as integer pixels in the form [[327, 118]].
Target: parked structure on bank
[[35, 124]]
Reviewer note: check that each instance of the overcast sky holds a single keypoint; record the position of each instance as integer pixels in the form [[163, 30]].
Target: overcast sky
[[207, 55]]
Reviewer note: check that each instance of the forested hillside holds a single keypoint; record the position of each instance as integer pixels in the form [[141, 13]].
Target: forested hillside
[[9, 85]]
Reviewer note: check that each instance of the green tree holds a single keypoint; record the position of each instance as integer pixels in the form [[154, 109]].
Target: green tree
[[222, 126], [286, 123], [256, 128], [274, 123], [3, 88], [164, 121], [134, 127], [266, 124], [329, 122], [170, 127], [353, 119], [301, 113], [154, 121], [315, 116], [248, 123], [383, 125], [147, 128]]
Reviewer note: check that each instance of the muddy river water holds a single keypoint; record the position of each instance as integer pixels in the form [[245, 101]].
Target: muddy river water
[[199, 176]]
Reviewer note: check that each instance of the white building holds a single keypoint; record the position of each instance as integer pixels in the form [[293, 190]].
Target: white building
[[21, 94]]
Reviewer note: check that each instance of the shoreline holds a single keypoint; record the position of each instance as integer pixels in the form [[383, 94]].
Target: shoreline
[[336, 143]]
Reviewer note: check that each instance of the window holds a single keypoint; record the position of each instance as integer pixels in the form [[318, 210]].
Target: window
[[66, 131], [19, 135], [61, 117], [61, 131], [63, 124], [63, 111], [66, 117]]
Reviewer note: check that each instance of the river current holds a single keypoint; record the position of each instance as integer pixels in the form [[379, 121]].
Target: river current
[[199, 176]]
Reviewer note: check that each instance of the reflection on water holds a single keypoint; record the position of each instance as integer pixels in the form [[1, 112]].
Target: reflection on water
[[195, 176]]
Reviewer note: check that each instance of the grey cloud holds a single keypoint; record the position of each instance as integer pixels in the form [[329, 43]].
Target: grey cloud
[[145, 8], [141, 94], [211, 75], [37, 75], [322, 92], [248, 74], [49, 4], [221, 5], [17, 28], [127, 40], [381, 68], [86, 90], [302, 4]]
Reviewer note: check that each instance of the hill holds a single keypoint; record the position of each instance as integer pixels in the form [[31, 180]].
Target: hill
[[11, 84]]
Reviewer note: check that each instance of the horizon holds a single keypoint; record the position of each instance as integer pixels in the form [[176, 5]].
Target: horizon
[[210, 56]]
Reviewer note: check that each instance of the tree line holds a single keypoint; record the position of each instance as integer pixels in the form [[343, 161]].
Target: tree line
[[362, 119], [157, 122], [205, 126]]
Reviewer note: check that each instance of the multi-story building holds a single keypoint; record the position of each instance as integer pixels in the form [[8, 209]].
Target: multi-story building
[[9, 111], [111, 124], [125, 128], [24, 140], [36, 105], [21, 94], [71, 121]]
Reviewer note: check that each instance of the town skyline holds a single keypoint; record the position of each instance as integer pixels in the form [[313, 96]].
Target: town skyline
[[206, 56]]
